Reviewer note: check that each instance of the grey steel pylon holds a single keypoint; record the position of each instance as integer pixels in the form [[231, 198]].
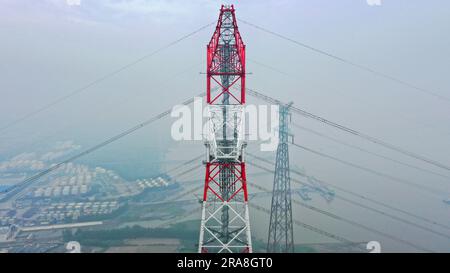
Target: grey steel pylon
[[281, 237]]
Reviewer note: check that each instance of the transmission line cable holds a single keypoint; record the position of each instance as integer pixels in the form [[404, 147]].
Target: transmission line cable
[[348, 62], [360, 196], [54, 167], [359, 204], [101, 79], [349, 130], [368, 152]]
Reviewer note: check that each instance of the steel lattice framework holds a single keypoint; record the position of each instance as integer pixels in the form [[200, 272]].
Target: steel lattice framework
[[225, 225], [281, 238]]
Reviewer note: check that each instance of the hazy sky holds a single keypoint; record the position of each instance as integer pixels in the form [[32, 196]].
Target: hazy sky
[[49, 48]]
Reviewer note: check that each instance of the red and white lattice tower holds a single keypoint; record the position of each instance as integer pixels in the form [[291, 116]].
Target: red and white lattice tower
[[225, 225]]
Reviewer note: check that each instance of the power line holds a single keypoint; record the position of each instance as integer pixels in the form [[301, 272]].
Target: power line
[[196, 167], [423, 124], [187, 163], [100, 79], [368, 152], [358, 204], [363, 197], [381, 174], [405, 221], [269, 67], [348, 130], [33, 178], [184, 194], [177, 219], [353, 223], [348, 62], [311, 228], [122, 102]]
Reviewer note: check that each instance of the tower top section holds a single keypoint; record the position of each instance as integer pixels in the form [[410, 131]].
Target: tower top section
[[226, 61]]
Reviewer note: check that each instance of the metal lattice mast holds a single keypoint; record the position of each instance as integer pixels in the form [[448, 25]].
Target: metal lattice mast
[[281, 238], [225, 225]]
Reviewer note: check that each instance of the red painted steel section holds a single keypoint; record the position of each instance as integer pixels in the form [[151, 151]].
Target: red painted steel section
[[213, 73], [214, 62], [237, 172]]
